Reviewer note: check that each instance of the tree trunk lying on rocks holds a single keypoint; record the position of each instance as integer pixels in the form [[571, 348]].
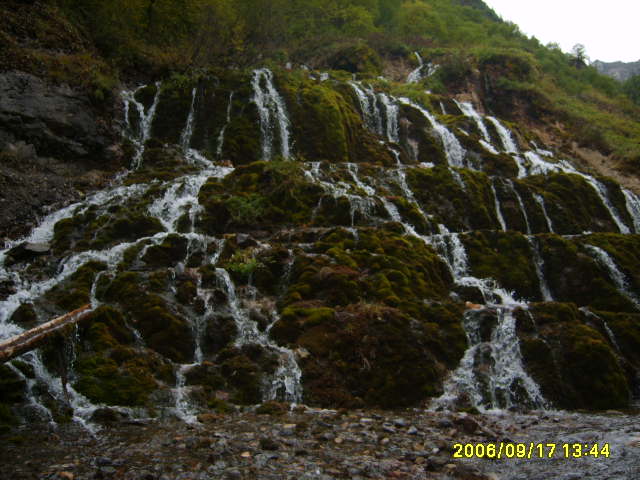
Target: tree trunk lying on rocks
[[31, 339]]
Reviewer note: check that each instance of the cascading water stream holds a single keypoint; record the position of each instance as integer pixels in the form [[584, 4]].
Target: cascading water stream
[[538, 263], [187, 133], [540, 201], [416, 75], [285, 383], [223, 130], [499, 216], [523, 209], [508, 144], [616, 275], [453, 149], [467, 109], [272, 113], [633, 207], [142, 133], [504, 382]]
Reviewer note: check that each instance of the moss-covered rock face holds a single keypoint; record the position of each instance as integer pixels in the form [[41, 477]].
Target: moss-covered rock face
[[333, 257], [571, 359]]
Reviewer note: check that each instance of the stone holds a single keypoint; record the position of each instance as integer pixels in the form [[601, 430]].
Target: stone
[[27, 251]]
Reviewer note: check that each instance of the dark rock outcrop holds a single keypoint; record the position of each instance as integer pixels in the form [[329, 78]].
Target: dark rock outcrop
[[53, 145]]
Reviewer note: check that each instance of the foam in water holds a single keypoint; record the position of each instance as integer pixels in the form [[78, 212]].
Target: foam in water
[[618, 278], [452, 147], [272, 113]]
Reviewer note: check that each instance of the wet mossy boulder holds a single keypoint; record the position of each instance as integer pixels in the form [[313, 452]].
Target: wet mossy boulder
[[170, 251], [161, 326], [356, 57], [75, 291], [261, 195], [366, 354], [126, 377], [460, 200], [379, 266], [572, 204], [505, 257], [574, 364], [245, 370], [574, 275]]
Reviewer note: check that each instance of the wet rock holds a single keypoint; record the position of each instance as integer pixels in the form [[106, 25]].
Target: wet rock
[[107, 415], [26, 251]]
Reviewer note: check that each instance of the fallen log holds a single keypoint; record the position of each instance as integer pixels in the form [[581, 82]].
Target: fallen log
[[31, 339]]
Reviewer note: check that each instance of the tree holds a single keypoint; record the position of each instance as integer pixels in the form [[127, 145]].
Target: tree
[[632, 88], [579, 58]]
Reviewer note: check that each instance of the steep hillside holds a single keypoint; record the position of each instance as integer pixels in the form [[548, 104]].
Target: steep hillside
[[397, 204]]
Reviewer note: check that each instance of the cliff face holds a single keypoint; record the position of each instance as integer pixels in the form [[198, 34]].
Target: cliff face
[[301, 236], [621, 71]]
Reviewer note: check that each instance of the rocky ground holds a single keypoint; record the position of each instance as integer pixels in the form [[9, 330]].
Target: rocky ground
[[311, 444]]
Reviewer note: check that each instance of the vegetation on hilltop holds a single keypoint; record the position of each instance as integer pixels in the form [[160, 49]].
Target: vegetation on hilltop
[[517, 77]]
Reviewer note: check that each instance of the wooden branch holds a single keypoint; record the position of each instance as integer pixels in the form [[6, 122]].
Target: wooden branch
[[31, 339]]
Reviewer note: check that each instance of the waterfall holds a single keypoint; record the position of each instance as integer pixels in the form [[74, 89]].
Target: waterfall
[[521, 203], [224, 127], [391, 115], [499, 384], [286, 380], [453, 149], [416, 75], [508, 144], [618, 278], [602, 192], [503, 224], [368, 106], [633, 207], [605, 325], [468, 110], [187, 133], [538, 263], [145, 120], [272, 112], [540, 201]]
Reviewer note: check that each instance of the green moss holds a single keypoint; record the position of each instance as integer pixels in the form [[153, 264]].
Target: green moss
[[75, 291], [572, 361], [173, 249], [505, 257], [103, 380]]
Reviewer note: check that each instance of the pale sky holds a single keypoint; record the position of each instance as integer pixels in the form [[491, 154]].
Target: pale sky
[[608, 29]]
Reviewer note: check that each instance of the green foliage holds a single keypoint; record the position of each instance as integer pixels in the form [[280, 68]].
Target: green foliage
[[632, 89]]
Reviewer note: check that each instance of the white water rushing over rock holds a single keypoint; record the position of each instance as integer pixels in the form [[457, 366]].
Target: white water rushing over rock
[[142, 132], [508, 144], [616, 275], [452, 147], [503, 224], [523, 208], [223, 130], [285, 383], [503, 381], [540, 201], [272, 112], [469, 111], [633, 207], [187, 133], [379, 112], [539, 265], [416, 75]]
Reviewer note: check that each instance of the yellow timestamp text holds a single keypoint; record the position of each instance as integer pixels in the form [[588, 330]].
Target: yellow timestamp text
[[531, 450]]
